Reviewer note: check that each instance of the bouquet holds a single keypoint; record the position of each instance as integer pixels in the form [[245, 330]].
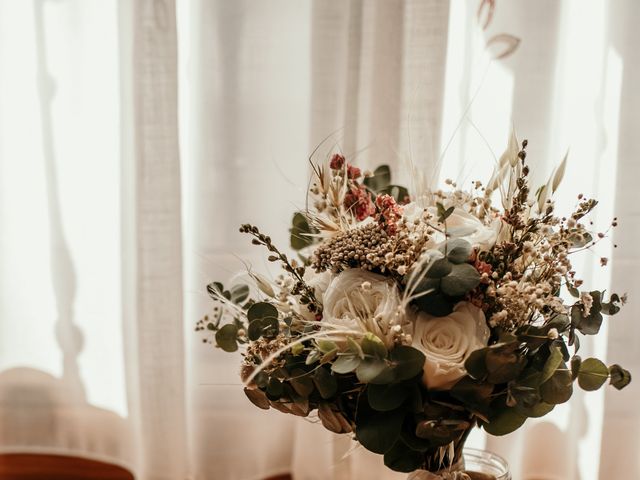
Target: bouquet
[[406, 321]]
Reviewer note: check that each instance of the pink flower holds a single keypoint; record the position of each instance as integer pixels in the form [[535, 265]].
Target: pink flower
[[337, 162], [358, 201], [353, 172], [388, 213]]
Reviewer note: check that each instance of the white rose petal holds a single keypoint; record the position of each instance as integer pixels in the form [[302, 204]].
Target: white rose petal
[[448, 341], [362, 301], [462, 224]]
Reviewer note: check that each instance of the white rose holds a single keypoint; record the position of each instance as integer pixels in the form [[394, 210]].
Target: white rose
[[362, 301], [318, 281], [462, 224], [448, 341]]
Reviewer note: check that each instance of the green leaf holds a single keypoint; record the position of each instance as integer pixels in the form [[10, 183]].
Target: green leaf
[[506, 421], [373, 346], [300, 231], [354, 348], [441, 432], [592, 374], [436, 304], [226, 337], [378, 432], [326, 383], [401, 458], [475, 365], [239, 294], [457, 250], [380, 179], [552, 364], [620, 377], [504, 363], [440, 268], [384, 398], [345, 363], [262, 310], [313, 357], [462, 279], [302, 383], [258, 398], [476, 395], [538, 410], [274, 389], [370, 368], [215, 289], [263, 327], [576, 361], [588, 325], [399, 193], [407, 362], [326, 346], [558, 389]]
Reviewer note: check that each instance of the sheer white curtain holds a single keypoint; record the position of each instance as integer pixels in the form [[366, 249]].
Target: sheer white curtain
[[135, 136]]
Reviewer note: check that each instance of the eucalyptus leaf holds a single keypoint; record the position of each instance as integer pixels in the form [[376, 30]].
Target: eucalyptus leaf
[[504, 422], [346, 363], [504, 363], [620, 377], [402, 458], [552, 363], [379, 432], [262, 310], [475, 364], [440, 268], [239, 294], [384, 398], [592, 374], [257, 397], [370, 368], [408, 362], [300, 232], [400, 194], [462, 279], [226, 337], [558, 389], [373, 346], [457, 250], [380, 179], [326, 383]]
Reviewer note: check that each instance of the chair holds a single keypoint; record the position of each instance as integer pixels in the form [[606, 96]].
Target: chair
[[22, 466]]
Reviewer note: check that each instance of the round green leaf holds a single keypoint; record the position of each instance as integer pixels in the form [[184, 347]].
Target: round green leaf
[[345, 363], [373, 346], [384, 398], [592, 374], [401, 458], [462, 279], [262, 310], [257, 397], [370, 368], [620, 377], [226, 337], [239, 294], [326, 383], [379, 432], [506, 421], [559, 388], [552, 364], [440, 268], [408, 362], [458, 250]]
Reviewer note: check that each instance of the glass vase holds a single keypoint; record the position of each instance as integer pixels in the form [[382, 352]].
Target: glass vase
[[474, 465]]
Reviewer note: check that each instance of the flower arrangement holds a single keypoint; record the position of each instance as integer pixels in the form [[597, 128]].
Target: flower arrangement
[[409, 320]]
